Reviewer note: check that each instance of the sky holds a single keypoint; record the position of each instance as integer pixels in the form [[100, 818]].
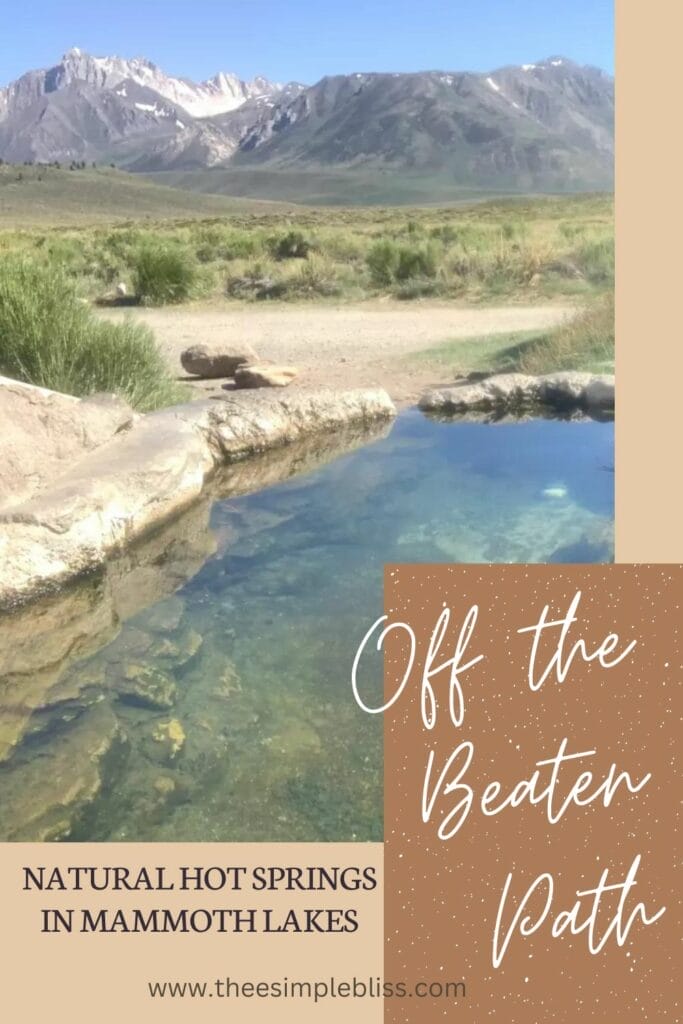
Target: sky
[[303, 40]]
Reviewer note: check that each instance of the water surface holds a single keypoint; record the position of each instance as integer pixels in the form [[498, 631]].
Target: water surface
[[224, 712]]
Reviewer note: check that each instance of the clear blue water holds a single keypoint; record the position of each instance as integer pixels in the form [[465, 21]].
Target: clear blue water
[[252, 656]]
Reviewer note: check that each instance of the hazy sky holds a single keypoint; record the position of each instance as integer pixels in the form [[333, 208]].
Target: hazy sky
[[306, 39]]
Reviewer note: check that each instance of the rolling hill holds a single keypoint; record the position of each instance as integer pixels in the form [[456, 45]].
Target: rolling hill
[[57, 196]]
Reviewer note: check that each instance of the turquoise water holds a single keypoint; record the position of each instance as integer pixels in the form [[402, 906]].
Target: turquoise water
[[230, 702]]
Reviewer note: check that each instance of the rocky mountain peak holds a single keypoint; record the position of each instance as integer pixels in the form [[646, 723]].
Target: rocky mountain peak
[[543, 125]]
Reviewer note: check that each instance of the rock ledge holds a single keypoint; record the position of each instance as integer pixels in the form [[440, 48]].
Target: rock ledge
[[144, 476], [563, 390]]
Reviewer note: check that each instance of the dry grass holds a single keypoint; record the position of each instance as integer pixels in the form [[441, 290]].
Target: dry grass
[[585, 342], [515, 250]]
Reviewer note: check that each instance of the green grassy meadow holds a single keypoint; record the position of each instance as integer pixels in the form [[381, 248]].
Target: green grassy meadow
[[504, 250]]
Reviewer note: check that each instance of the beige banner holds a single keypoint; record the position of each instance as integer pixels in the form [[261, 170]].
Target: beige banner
[[106, 975], [649, 351]]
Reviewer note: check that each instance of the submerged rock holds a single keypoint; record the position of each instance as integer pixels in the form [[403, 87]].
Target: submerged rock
[[39, 648], [171, 738], [294, 738], [229, 681], [165, 616], [42, 796], [179, 648], [165, 785], [583, 550], [147, 687]]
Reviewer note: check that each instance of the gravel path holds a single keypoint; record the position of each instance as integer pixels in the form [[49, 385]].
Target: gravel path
[[342, 346]]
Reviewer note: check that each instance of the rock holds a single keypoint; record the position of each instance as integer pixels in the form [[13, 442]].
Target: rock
[[599, 393], [500, 391], [41, 797], [243, 425], [165, 616], [38, 648], [146, 687], [303, 456], [43, 432], [145, 477], [563, 389], [171, 736], [179, 648], [155, 567], [566, 389], [219, 360], [121, 290], [42, 643], [264, 375], [229, 682], [564, 267], [294, 738], [109, 499], [165, 785]]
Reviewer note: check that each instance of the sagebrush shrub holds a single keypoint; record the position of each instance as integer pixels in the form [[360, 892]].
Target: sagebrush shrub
[[164, 273], [382, 261], [292, 246]]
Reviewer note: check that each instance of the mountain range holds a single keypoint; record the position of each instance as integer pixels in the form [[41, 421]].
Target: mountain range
[[541, 126]]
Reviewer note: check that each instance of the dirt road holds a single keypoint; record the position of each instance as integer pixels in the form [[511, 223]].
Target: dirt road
[[342, 346]]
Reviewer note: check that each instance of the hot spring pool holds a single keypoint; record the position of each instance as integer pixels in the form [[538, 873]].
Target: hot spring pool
[[224, 712]]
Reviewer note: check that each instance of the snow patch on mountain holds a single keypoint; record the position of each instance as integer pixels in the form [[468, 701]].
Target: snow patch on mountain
[[218, 95]]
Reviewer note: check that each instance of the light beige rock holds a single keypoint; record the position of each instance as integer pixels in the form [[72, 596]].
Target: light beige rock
[[222, 360], [108, 500], [264, 375], [501, 391], [244, 424], [144, 477], [566, 389], [304, 455], [43, 432]]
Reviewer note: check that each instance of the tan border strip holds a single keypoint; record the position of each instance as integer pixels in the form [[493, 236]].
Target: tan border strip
[[649, 282]]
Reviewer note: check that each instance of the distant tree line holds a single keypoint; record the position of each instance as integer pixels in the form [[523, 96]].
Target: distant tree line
[[75, 165]]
